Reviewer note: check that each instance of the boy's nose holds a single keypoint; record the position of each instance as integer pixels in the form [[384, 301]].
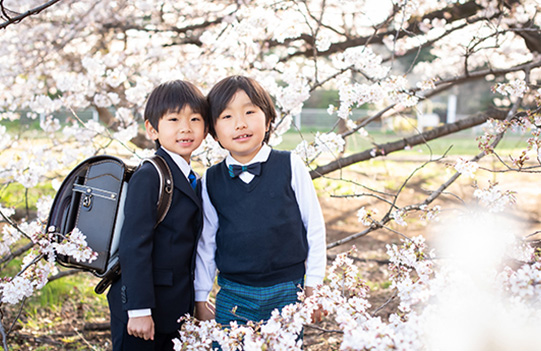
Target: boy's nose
[[240, 122], [184, 126]]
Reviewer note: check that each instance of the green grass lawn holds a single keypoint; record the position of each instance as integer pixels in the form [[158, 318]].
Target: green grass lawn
[[462, 143]]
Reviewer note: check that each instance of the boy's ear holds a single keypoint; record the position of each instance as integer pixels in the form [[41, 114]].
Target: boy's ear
[[151, 132]]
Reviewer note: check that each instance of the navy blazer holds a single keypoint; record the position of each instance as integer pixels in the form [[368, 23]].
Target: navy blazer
[[157, 263]]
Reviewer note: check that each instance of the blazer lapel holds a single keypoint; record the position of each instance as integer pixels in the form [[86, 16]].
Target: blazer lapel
[[179, 180]]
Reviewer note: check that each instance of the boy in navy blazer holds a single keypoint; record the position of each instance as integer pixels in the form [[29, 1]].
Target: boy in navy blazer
[[156, 284]]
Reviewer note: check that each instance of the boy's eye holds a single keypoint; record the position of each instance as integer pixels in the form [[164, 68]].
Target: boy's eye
[[196, 119], [225, 116]]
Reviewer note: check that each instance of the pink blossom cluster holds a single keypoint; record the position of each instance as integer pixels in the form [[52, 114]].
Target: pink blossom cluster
[[465, 167], [39, 263], [366, 216], [494, 198], [525, 123], [430, 214], [411, 269], [514, 88]]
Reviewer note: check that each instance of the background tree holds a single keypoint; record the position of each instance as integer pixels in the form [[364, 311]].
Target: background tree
[[107, 56]]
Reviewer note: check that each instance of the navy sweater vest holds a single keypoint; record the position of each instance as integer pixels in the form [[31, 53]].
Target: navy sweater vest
[[261, 239]]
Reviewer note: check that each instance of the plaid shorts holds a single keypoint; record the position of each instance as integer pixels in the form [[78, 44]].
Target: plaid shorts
[[252, 302]]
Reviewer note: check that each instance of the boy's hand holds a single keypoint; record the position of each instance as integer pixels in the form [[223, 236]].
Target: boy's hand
[[141, 327], [204, 310], [317, 315]]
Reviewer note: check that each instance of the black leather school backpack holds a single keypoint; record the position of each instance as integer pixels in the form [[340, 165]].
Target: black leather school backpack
[[91, 198]]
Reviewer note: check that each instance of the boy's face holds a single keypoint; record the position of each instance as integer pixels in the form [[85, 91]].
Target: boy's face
[[180, 132], [241, 127]]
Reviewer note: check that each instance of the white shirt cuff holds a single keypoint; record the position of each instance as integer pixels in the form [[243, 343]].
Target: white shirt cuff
[[201, 295], [313, 281], [139, 313]]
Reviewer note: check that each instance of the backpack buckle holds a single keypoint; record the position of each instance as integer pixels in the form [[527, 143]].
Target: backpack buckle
[[87, 201]]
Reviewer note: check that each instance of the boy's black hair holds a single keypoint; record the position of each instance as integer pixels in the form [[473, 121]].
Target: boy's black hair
[[172, 97], [222, 93]]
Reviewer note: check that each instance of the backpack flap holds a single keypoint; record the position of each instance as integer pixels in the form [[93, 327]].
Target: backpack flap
[[97, 208], [88, 200]]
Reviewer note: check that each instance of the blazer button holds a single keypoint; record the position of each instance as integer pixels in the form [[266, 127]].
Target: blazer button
[[123, 294]]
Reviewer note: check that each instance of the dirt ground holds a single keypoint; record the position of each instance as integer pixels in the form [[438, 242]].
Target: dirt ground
[[340, 211]]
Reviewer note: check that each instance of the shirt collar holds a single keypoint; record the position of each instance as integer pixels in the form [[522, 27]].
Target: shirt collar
[[180, 162], [261, 156]]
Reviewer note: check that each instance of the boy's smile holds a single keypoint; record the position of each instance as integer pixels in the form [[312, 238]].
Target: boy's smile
[[179, 132], [185, 142], [242, 137], [241, 127]]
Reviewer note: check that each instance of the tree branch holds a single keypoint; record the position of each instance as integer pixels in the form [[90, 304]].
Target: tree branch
[[451, 14], [4, 336], [20, 17], [17, 252], [386, 149]]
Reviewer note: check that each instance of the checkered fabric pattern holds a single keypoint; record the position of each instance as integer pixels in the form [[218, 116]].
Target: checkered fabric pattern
[[252, 302]]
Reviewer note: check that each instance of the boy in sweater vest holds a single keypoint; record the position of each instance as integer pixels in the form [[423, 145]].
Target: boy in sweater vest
[[263, 227]]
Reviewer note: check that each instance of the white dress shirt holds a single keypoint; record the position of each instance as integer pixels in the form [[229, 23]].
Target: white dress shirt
[[312, 218], [185, 168]]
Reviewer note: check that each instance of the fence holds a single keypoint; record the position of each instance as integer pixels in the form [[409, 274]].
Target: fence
[[319, 119]]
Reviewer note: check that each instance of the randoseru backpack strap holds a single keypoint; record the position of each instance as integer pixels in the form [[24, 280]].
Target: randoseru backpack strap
[[166, 185], [164, 202]]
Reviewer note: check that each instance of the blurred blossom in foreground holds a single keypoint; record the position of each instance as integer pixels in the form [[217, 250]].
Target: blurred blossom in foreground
[[473, 310]]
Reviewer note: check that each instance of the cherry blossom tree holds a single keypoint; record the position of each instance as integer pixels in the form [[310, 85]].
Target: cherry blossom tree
[[391, 55]]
